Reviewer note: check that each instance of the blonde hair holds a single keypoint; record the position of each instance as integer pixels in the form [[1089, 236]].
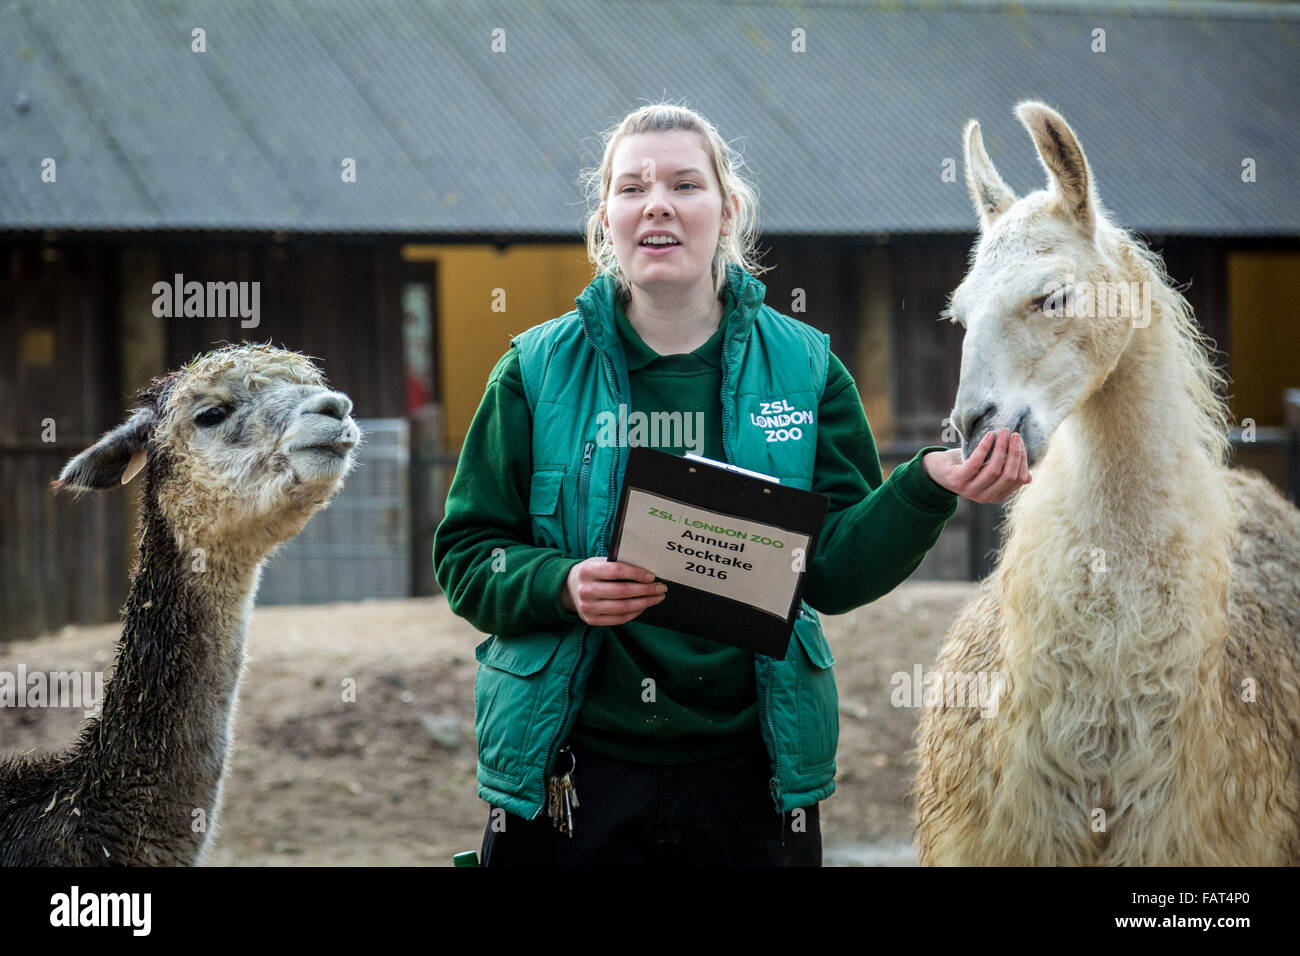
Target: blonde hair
[[736, 247]]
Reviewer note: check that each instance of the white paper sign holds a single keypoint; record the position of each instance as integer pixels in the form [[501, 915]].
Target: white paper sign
[[758, 564]]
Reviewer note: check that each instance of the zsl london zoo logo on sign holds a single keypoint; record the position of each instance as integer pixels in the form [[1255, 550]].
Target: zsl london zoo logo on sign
[[780, 420]]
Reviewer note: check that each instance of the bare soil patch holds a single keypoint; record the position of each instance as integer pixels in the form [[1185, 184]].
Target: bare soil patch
[[389, 778]]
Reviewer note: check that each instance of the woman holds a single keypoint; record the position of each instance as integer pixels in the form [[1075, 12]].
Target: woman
[[686, 750]]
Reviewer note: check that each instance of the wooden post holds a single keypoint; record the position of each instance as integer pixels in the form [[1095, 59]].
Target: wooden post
[[874, 362]]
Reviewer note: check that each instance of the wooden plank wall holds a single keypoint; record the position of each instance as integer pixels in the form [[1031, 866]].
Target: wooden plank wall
[[927, 350], [61, 558], [827, 275]]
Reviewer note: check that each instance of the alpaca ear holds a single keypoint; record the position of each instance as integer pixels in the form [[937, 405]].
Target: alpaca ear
[[114, 459], [1062, 156], [988, 192]]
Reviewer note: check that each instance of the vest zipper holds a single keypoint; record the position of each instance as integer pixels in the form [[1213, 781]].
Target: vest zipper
[[728, 408], [612, 380], [612, 505], [775, 783], [584, 480], [727, 405]]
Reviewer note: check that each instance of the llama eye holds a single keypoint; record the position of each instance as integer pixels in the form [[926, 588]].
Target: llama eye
[[1051, 303], [210, 416]]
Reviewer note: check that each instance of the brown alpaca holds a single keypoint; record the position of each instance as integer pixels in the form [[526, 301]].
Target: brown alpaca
[[1144, 615], [238, 450]]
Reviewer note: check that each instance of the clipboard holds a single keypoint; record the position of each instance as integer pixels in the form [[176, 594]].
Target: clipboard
[[729, 544]]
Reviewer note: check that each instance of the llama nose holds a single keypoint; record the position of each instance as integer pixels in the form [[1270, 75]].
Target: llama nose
[[973, 426], [334, 404]]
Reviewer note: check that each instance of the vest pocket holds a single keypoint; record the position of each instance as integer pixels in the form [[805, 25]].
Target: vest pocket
[[808, 630], [819, 701], [507, 692], [521, 656], [544, 507]]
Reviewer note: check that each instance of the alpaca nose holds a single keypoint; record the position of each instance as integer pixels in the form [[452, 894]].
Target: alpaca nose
[[334, 404]]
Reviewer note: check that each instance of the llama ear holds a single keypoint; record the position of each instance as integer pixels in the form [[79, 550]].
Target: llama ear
[[114, 459], [1062, 156], [988, 192]]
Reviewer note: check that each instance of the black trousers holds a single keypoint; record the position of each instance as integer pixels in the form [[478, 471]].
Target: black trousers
[[711, 813]]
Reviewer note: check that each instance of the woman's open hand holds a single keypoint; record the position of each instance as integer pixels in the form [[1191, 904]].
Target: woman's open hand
[[987, 481], [605, 592]]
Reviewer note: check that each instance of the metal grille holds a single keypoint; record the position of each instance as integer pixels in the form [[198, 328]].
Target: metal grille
[[359, 546]]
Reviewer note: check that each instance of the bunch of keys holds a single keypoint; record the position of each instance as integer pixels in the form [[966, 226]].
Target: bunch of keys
[[562, 797]]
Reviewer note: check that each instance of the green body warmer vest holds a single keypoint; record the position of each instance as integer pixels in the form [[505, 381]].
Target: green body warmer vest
[[529, 688]]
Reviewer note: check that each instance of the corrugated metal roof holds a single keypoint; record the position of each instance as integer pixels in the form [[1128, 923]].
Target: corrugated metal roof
[[453, 139]]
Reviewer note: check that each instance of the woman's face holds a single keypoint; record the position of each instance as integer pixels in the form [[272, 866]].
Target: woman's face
[[664, 184]]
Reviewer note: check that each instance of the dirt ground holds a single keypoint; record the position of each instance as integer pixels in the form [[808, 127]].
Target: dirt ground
[[389, 779]]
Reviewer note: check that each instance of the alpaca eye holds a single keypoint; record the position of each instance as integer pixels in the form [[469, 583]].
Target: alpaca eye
[[210, 416]]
